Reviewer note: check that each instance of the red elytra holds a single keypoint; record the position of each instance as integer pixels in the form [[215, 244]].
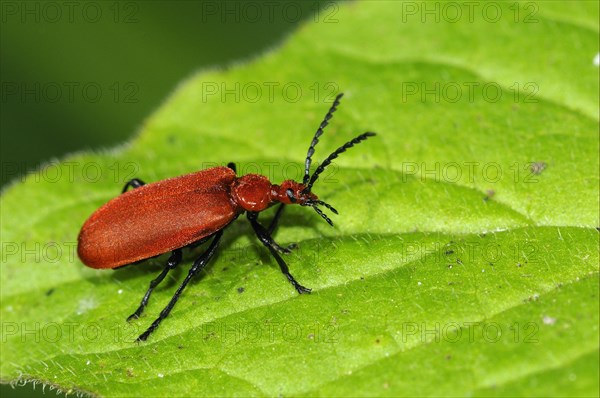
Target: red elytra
[[169, 215]]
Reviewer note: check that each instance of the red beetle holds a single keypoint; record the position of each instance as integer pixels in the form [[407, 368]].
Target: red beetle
[[169, 215]]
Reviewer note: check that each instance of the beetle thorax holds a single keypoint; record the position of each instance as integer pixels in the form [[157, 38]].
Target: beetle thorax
[[252, 192]]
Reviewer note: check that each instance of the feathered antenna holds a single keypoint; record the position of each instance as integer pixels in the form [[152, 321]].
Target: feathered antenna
[[309, 180], [334, 155], [315, 140], [314, 203]]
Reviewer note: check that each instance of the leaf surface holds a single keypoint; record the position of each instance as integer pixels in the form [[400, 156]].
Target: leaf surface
[[464, 260]]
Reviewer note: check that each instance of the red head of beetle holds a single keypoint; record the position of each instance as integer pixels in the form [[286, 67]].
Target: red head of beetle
[[292, 192]]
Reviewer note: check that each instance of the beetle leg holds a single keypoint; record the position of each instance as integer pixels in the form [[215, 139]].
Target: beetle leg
[[198, 265], [134, 183], [173, 261], [275, 220], [231, 165], [273, 226], [263, 234]]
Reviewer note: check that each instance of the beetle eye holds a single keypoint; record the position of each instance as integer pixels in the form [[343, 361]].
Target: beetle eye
[[290, 194]]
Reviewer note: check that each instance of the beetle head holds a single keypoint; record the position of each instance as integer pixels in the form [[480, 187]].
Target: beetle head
[[292, 192]]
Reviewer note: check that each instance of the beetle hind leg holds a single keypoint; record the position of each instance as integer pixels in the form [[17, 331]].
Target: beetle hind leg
[[173, 261], [198, 265]]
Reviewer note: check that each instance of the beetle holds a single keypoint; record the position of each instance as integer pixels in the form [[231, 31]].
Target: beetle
[[185, 211]]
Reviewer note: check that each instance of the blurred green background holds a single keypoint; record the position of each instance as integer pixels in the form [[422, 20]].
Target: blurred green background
[[85, 75]]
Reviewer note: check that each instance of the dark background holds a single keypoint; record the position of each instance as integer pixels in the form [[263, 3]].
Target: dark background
[[84, 76]]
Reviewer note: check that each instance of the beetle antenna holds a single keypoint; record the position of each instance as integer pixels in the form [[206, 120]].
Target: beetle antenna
[[320, 202], [319, 212], [334, 155], [315, 140]]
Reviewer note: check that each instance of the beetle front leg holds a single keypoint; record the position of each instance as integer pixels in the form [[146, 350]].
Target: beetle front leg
[[173, 261], [273, 226], [134, 183], [263, 234]]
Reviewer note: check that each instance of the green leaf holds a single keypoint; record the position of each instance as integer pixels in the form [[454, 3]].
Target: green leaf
[[464, 260]]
